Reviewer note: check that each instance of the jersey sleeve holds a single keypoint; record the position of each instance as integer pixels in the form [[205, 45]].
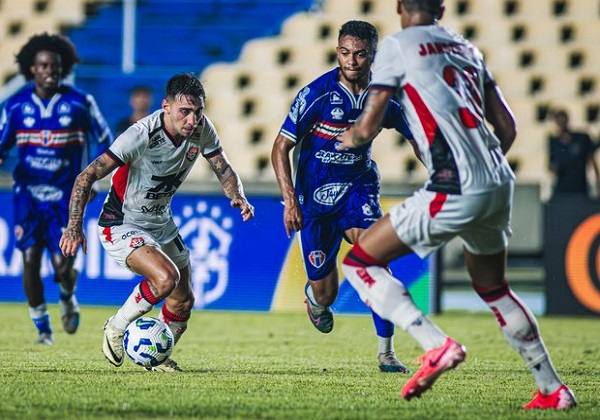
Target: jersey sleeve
[[7, 131], [387, 68], [302, 116], [211, 143], [131, 144]]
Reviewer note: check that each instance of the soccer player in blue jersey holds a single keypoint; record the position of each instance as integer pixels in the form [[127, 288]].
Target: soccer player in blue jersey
[[58, 130], [333, 195]]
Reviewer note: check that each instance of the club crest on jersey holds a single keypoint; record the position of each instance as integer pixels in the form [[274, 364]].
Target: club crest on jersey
[[367, 210], [18, 232], [317, 258], [192, 153], [136, 242], [337, 113], [335, 98]]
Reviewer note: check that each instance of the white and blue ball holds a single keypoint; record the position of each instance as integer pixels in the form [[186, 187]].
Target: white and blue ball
[[148, 341]]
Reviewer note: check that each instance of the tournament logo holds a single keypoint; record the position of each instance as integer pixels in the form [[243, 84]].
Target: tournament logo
[[317, 258], [207, 231], [192, 153], [136, 242]]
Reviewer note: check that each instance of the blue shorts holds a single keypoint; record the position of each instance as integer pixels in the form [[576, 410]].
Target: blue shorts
[[320, 238], [39, 223]]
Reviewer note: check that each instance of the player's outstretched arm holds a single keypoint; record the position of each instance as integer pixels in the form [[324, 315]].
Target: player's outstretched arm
[[499, 114], [73, 235], [368, 124], [232, 185], [293, 220]]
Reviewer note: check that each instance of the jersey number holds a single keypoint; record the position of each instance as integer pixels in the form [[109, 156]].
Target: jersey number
[[465, 82]]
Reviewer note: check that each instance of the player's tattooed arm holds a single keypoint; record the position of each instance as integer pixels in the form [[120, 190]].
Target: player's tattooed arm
[[231, 184], [73, 235]]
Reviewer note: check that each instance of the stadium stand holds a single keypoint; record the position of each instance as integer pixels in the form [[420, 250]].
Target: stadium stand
[[254, 55]]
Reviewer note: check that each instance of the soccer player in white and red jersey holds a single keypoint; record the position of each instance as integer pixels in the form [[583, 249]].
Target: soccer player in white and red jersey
[[447, 93], [152, 158]]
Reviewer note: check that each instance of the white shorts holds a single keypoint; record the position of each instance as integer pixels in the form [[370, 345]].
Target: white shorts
[[120, 241], [427, 220]]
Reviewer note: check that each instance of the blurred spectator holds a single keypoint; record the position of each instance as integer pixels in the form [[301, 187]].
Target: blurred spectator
[[571, 155], [140, 101]]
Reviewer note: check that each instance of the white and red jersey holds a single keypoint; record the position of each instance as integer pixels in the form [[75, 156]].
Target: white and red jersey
[[152, 166], [440, 77]]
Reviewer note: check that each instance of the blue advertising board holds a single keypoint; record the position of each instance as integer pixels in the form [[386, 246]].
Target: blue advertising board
[[236, 265]]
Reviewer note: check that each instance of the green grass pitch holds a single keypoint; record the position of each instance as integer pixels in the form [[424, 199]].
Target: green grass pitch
[[241, 365]]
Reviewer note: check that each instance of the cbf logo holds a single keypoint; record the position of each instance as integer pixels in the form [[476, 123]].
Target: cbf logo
[[207, 232], [317, 258]]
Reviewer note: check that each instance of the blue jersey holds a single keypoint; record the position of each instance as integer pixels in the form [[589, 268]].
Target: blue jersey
[[56, 139], [320, 113]]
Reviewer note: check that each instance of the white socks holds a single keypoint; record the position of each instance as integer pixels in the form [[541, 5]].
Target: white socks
[[388, 297], [520, 328]]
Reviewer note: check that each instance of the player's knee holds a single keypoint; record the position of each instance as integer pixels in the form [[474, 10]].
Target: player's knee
[[165, 282]]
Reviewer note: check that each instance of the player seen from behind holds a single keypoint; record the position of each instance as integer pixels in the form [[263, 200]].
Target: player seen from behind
[[447, 94]]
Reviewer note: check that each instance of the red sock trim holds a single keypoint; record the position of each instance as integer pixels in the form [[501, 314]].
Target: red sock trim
[[494, 293], [147, 294], [358, 257], [171, 317]]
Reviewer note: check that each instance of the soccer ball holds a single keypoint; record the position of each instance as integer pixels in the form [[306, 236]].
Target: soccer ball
[[148, 341]]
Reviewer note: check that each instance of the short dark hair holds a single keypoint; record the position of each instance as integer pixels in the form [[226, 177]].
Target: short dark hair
[[361, 30], [432, 7], [141, 89], [57, 44], [186, 84]]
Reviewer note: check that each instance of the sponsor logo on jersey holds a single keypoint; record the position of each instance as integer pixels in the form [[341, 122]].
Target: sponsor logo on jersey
[[317, 258], [167, 183], [28, 122], [128, 234], [157, 209], [156, 162], [299, 105], [329, 194], [45, 193], [192, 154], [155, 142], [367, 210], [337, 113], [65, 120], [335, 98], [337, 158], [136, 242]]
